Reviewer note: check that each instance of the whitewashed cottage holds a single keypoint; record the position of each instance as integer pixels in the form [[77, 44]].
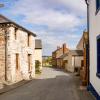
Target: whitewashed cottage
[[93, 15]]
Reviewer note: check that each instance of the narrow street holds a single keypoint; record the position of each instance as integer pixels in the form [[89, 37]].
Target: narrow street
[[52, 84]]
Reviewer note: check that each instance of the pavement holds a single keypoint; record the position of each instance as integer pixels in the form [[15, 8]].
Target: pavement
[[52, 84], [7, 88]]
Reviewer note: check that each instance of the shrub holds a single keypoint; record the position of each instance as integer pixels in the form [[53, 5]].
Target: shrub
[[37, 66]]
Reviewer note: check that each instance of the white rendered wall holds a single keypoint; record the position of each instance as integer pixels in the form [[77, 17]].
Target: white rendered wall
[[94, 31]]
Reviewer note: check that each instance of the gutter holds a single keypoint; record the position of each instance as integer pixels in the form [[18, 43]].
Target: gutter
[[87, 2]]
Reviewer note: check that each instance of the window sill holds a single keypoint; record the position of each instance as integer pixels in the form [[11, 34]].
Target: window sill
[[98, 75]]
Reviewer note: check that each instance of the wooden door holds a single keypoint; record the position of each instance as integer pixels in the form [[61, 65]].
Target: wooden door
[[17, 62], [29, 62]]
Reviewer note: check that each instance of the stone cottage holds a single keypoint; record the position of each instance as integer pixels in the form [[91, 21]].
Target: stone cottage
[[73, 60], [38, 51], [56, 60], [17, 51]]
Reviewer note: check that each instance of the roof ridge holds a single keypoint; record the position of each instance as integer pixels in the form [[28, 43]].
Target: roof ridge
[[5, 18], [10, 21]]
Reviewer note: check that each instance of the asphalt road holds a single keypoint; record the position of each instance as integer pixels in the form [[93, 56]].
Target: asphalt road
[[52, 84]]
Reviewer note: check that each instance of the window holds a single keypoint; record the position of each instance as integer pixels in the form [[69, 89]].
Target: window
[[17, 62], [97, 5], [65, 61], [28, 41], [98, 56], [29, 62]]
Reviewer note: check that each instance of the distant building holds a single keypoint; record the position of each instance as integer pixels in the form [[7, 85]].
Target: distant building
[[17, 52], [93, 11], [38, 51], [73, 60], [56, 60]]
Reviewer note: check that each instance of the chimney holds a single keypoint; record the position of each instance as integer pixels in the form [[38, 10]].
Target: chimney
[[64, 48]]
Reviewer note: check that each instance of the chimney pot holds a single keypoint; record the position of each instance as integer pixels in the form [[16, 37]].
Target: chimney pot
[[64, 48]]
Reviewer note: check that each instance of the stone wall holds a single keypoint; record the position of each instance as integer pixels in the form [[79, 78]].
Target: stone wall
[[18, 45], [2, 55], [54, 62], [38, 56], [73, 62]]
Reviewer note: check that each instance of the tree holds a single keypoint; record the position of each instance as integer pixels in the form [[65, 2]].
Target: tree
[[37, 66]]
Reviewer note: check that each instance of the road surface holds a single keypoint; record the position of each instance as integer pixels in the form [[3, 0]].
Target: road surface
[[52, 84]]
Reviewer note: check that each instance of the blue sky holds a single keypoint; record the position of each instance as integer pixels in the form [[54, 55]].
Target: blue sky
[[54, 21]]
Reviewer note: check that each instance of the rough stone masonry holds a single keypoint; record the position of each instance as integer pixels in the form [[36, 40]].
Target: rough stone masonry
[[17, 52]]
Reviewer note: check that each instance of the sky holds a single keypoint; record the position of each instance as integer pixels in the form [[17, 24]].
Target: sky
[[54, 21]]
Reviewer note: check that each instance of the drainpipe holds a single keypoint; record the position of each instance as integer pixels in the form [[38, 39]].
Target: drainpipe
[[5, 54], [88, 53], [74, 64]]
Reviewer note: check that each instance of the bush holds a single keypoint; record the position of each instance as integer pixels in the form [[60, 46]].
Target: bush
[[37, 66]]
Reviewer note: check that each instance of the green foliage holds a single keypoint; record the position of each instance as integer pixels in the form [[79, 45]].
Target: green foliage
[[47, 62], [37, 66]]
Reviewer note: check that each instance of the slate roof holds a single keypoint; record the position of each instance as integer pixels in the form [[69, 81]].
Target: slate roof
[[73, 53], [4, 20], [38, 44], [56, 50], [76, 52], [62, 56]]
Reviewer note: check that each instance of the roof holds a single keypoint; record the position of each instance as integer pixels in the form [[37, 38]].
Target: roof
[[56, 50], [4, 20], [73, 53], [76, 52], [80, 44], [38, 44], [62, 56]]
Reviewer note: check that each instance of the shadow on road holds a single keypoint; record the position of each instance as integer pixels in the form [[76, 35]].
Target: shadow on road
[[59, 86]]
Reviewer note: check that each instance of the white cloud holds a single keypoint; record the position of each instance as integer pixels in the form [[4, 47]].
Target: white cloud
[[78, 6], [51, 41], [37, 14], [61, 17]]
